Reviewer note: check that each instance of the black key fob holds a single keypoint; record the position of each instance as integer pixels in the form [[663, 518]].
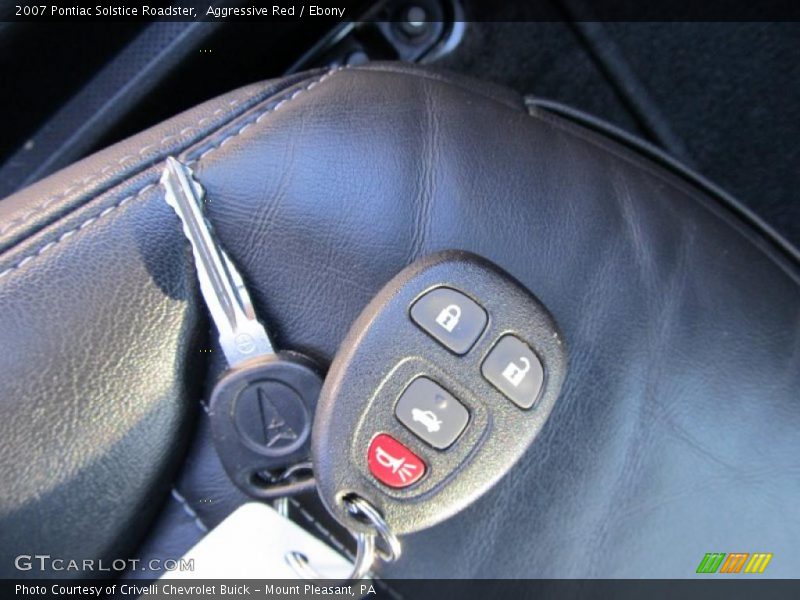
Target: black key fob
[[440, 386]]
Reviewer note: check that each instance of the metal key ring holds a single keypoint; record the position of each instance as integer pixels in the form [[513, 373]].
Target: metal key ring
[[356, 505], [281, 504], [366, 550]]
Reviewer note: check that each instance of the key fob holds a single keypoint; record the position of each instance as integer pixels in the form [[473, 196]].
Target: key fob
[[440, 386]]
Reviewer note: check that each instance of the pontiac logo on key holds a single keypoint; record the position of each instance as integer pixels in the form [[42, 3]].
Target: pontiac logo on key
[[275, 426], [392, 463], [272, 418]]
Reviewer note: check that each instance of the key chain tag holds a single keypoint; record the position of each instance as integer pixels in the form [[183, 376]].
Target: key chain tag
[[252, 543]]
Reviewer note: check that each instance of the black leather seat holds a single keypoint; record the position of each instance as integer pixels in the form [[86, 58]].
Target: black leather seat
[[678, 431]]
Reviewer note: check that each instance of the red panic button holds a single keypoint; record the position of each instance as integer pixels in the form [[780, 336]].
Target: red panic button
[[392, 463]]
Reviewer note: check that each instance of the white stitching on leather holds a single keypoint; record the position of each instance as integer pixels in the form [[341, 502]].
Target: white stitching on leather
[[382, 583], [71, 232], [258, 119], [324, 531], [146, 188], [341, 547], [189, 510], [86, 180]]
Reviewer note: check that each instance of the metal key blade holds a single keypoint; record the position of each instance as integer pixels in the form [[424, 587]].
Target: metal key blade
[[241, 336]]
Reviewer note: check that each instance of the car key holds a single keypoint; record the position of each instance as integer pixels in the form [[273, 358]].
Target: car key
[[261, 408], [440, 386]]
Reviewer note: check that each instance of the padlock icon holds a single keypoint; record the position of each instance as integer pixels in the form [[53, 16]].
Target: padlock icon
[[449, 317], [514, 374]]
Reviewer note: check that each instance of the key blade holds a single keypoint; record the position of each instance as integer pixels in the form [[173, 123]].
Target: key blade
[[241, 336]]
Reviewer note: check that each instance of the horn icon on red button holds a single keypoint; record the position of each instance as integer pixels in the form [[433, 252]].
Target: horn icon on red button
[[392, 463]]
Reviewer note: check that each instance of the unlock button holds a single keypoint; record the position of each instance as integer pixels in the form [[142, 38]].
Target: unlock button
[[453, 319], [514, 369]]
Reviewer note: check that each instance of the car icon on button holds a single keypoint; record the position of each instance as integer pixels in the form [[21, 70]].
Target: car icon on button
[[427, 418], [431, 413]]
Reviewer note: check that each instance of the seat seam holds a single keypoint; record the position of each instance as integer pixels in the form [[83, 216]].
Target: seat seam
[[336, 542], [181, 499], [442, 78], [321, 528], [645, 156], [259, 116], [83, 184], [718, 206]]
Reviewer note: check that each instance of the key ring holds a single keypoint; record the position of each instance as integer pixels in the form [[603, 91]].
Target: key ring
[[366, 548], [357, 506], [281, 504]]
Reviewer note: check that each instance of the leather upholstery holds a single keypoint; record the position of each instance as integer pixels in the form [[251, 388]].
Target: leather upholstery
[[677, 433]]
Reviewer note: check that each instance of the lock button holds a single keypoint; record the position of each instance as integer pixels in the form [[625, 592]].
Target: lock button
[[450, 317], [514, 369]]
